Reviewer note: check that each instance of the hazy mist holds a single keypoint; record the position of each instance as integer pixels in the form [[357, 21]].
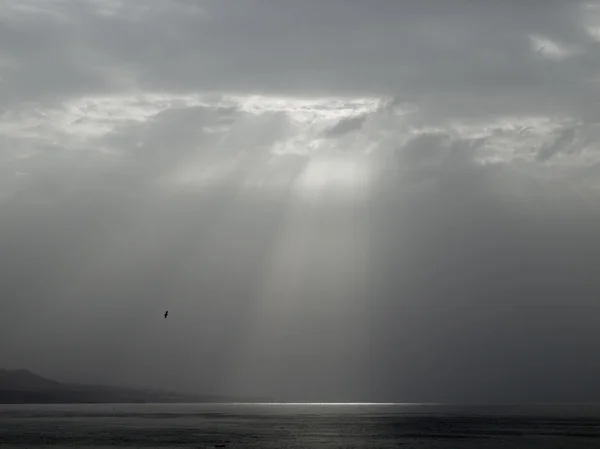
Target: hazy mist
[[335, 200]]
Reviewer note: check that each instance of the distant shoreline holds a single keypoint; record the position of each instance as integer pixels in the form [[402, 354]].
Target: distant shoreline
[[25, 387]]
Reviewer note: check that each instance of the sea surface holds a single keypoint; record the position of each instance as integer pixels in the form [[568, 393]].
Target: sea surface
[[298, 426]]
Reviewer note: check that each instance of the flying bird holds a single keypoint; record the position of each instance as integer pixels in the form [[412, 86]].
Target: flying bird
[[166, 313]]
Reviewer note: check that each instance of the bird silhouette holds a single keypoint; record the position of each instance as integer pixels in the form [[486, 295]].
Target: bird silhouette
[[166, 313]]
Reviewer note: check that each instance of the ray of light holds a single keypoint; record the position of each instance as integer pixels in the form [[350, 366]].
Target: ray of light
[[314, 291]]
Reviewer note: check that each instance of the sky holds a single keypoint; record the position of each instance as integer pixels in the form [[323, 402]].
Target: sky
[[336, 201]]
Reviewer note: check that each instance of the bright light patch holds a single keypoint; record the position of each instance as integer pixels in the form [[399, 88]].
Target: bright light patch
[[335, 173], [550, 49], [305, 123], [305, 110]]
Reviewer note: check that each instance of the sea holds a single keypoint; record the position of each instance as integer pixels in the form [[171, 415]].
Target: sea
[[296, 426]]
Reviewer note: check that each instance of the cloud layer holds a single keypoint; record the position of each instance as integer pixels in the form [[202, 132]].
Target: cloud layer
[[335, 200]]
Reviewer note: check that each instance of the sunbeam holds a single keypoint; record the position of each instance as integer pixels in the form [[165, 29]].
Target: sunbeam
[[335, 201]]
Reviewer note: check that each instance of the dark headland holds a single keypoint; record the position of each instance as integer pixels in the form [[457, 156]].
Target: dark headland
[[25, 387]]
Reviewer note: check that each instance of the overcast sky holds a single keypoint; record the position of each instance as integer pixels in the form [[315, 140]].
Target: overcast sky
[[337, 200]]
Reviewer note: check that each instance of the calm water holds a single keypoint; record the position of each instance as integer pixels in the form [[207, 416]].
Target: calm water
[[298, 426]]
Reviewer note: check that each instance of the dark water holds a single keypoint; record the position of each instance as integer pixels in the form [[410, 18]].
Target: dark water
[[298, 426]]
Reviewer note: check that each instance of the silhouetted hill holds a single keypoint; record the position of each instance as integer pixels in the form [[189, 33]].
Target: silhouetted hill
[[25, 387], [24, 380]]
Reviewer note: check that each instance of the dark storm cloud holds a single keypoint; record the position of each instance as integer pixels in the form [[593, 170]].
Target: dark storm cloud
[[410, 49], [346, 125], [342, 200], [562, 143]]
